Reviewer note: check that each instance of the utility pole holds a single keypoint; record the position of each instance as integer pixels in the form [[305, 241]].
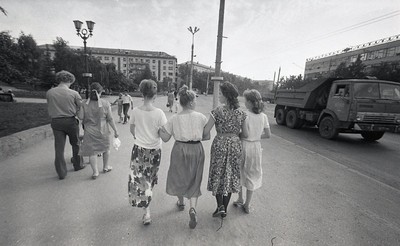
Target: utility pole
[[218, 77], [279, 72]]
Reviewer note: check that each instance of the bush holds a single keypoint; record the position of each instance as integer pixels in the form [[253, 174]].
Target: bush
[[30, 94]]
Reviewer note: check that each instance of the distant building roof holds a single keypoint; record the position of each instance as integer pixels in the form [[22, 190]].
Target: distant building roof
[[109, 51], [199, 66]]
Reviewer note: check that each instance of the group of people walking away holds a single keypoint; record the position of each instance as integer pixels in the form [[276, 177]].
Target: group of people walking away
[[236, 154]]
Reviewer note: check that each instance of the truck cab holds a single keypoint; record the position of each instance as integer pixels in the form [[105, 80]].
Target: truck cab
[[369, 107]]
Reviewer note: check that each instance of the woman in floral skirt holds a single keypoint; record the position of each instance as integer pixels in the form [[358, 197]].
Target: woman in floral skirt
[[146, 121]]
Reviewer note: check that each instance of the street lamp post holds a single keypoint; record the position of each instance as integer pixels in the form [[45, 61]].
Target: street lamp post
[[192, 31], [85, 34]]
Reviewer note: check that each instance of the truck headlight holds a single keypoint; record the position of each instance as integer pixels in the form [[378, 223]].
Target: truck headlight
[[359, 117], [398, 120]]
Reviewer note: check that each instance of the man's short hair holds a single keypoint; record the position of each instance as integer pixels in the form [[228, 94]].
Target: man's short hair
[[65, 77]]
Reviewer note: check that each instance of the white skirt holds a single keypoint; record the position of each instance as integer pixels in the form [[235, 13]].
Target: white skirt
[[251, 170]]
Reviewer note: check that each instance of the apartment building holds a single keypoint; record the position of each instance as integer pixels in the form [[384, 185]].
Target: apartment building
[[130, 62], [372, 54]]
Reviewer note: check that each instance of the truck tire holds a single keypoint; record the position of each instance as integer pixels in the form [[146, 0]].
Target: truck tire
[[292, 121], [327, 128], [280, 117], [372, 136]]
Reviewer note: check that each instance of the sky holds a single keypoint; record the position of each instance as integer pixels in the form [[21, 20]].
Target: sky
[[260, 36]]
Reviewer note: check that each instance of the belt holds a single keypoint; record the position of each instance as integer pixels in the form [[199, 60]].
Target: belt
[[227, 135], [189, 142], [68, 117]]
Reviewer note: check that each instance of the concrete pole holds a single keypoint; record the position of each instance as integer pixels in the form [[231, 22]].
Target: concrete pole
[[217, 77], [191, 65], [279, 72]]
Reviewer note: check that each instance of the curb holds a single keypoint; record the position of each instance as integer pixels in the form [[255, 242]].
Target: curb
[[13, 144]]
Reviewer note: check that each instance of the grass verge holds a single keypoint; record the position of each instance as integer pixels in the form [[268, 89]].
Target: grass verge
[[16, 117]]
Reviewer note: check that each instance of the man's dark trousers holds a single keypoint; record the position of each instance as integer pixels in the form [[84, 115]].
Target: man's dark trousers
[[125, 108], [62, 127]]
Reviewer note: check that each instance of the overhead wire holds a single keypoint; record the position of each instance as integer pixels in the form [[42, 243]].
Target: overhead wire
[[327, 35]]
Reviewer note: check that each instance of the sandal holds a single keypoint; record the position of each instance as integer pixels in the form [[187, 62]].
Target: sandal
[[238, 203], [106, 170], [146, 220], [246, 209], [180, 206], [193, 218], [94, 176]]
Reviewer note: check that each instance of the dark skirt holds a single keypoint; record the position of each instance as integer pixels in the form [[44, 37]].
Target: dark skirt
[[186, 170]]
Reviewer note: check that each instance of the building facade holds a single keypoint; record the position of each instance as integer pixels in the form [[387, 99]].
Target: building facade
[[198, 67], [372, 54], [131, 62]]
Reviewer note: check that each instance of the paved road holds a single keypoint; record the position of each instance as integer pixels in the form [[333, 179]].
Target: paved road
[[306, 199]]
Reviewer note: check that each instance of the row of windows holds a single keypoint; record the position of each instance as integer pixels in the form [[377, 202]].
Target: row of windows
[[377, 54], [107, 58]]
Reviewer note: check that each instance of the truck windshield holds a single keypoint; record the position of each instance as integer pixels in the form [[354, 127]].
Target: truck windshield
[[377, 91]]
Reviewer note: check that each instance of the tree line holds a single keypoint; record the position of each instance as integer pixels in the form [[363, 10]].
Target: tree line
[[22, 62]]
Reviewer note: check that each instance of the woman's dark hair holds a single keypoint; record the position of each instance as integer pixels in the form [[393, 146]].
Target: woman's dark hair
[[96, 88], [231, 93], [148, 88], [186, 96], [254, 97]]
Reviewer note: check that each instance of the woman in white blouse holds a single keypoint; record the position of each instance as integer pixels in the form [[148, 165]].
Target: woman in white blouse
[[146, 121], [187, 157]]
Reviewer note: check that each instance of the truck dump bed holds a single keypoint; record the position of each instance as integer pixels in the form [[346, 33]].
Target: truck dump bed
[[313, 95]]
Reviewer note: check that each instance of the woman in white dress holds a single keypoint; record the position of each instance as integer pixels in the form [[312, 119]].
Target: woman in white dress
[[258, 127]]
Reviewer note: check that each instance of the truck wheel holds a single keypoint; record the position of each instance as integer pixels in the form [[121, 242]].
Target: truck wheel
[[280, 117], [372, 136], [327, 128], [292, 121]]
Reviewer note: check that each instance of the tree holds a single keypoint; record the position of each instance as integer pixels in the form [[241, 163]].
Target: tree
[[387, 71], [46, 70], [292, 82], [9, 59], [354, 70], [30, 55]]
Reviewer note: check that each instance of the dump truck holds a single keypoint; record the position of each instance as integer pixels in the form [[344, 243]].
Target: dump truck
[[369, 107]]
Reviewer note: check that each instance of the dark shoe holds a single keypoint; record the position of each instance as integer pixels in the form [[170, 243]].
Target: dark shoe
[[79, 168], [219, 211], [180, 206], [193, 218]]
